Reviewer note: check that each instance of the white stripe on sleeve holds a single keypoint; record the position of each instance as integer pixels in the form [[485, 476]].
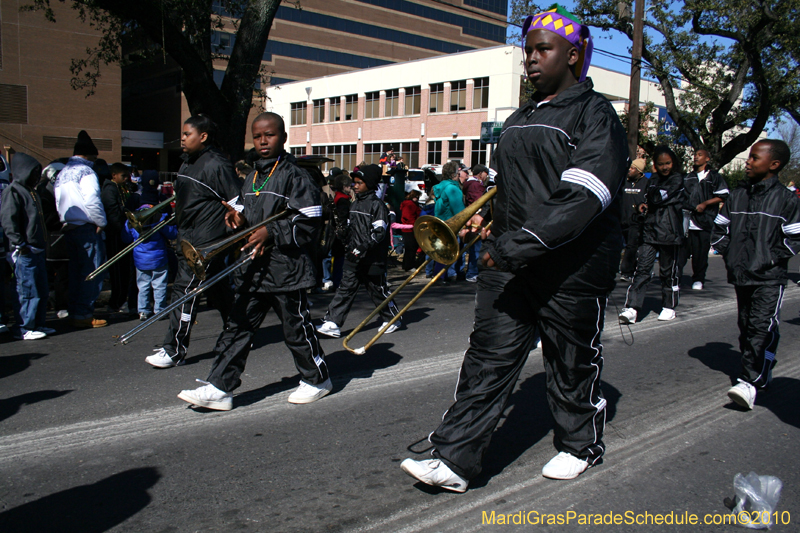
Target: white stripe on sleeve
[[379, 224], [721, 220], [312, 211], [791, 229], [590, 181]]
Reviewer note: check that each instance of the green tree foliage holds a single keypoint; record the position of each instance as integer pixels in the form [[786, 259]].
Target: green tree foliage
[[183, 29], [725, 66]]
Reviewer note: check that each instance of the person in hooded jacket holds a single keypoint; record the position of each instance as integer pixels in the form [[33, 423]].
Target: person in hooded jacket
[[57, 255], [449, 202], [23, 222], [365, 258], [205, 180], [278, 278], [757, 231], [663, 235]]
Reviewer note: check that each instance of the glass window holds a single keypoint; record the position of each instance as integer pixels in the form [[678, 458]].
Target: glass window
[[413, 100], [437, 98], [434, 152], [372, 105], [455, 150], [351, 107], [458, 95], [372, 152], [343, 155], [319, 111], [480, 94], [336, 109], [392, 107], [478, 153], [410, 154], [298, 115], [298, 150]]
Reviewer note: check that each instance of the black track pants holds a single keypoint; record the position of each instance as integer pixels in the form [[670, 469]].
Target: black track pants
[[249, 310], [181, 319], [759, 316], [697, 245], [633, 239], [667, 270], [507, 312], [345, 295]]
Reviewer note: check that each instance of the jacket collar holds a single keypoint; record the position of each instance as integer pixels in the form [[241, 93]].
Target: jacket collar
[[567, 96], [363, 195], [195, 156], [764, 185], [265, 165]]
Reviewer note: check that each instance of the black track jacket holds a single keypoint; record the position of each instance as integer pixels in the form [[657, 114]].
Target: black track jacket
[[287, 266], [368, 234], [633, 196], [205, 180], [666, 199], [757, 232], [699, 191], [561, 166]]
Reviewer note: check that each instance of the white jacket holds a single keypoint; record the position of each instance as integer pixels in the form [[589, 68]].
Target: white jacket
[[77, 192]]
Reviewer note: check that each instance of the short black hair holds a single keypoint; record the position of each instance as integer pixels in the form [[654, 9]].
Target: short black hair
[[340, 181], [203, 124], [780, 151], [677, 164], [119, 168], [273, 117]]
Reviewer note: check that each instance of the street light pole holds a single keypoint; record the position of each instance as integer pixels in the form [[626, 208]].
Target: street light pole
[[636, 68]]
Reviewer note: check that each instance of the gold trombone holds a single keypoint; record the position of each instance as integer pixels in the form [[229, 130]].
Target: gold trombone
[[138, 220], [438, 239]]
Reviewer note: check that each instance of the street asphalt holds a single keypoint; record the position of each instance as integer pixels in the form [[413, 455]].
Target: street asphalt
[[93, 439]]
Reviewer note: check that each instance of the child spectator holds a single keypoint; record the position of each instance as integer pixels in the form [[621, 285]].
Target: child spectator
[[151, 261], [23, 222], [663, 235], [410, 211], [365, 260], [757, 232]]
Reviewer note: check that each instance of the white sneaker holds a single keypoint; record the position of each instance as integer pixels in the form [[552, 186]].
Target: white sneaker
[[628, 316], [306, 393], [3, 328], [63, 314], [564, 466], [697, 286], [391, 329], [330, 329], [436, 473], [161, 359], [208, 396], [743, 394], [47, 331], [328, 285], [30, 336], [667, 314]]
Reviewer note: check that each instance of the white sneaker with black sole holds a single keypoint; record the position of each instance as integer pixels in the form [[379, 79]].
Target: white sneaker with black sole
[[330, 329], [208, 396], [564, 466], [667, 314], [743, 394], [697, 286], [161, 359], [391, 329], [435, 473], [628, 316], [307, 393]]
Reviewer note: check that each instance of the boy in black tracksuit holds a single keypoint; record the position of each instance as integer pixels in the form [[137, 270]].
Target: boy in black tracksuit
[[365, 257], [633, 196], [205, 180], [550, 263], [705, 190], [757, 232], [663, 235], [278, 279]]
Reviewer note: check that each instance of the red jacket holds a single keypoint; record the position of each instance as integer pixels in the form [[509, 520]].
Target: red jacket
[[409, 212], [473, 189]]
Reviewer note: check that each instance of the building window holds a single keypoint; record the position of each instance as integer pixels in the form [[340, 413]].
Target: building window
[[336, 109], [480, 94], [434, 152], [458, 95], [410, 154], [478, 153], [298, 114], [343, 155], [455, 150], [392, 107], [372, 152], [13, 104], [437, 98], [319, 111], [351, 107], [298, 151], [372, 105], [413, 100]]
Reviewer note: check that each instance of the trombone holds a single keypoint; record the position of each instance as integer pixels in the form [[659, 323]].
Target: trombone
[[199, 263], [438, 240], [137, 221]]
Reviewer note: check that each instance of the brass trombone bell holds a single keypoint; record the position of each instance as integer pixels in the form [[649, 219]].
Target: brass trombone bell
[[138, 219]]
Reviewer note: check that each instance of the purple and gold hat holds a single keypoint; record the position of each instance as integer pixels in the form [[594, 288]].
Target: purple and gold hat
[[563, 23]]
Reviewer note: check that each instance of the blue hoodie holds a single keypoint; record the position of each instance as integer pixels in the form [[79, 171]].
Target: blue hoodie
[[151, 254]]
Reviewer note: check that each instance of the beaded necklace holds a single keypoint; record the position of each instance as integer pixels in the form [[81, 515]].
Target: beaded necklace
[[255, 178]]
